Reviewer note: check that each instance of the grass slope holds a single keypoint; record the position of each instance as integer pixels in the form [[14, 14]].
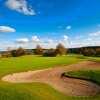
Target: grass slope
[[92, 75]]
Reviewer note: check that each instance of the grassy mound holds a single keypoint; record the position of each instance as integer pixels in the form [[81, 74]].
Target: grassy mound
[[91, 75]]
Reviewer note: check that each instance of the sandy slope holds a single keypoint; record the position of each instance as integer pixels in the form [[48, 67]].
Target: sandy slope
[[52, 76]]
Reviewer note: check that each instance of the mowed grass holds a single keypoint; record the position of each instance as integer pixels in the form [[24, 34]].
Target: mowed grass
[[91, 75], [34, 91], [25, 63]]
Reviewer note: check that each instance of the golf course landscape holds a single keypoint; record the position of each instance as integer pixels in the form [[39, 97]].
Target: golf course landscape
[[38, 90], [49, 49]]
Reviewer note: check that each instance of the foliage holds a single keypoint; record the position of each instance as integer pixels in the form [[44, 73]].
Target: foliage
[[88, 52], [60, 49], [98, 52], [38, 50], [19, 52], [6, 55], [50, 53]]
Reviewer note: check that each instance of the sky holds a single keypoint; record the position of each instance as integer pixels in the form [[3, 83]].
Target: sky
[[26, 23]]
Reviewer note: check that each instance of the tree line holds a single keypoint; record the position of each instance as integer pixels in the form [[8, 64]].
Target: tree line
[[86, 51], [90, 51], [60, 50]]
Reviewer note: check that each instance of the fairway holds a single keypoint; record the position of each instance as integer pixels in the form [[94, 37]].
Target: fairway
[[35, 91], [25, 63]]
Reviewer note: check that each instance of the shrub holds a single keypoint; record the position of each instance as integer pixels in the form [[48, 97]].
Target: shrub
[[13, 52], [98, 52], [88, 52], [19, 52], [50, 53], [6, 55]]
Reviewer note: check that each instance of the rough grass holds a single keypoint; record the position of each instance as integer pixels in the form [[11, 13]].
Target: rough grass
[[34, 91]]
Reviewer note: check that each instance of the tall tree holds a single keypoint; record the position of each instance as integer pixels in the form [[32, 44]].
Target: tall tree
[[60, 49], [20, 51], [38, 50]]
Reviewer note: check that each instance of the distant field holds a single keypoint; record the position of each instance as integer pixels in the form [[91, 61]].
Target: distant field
[[35, 91]]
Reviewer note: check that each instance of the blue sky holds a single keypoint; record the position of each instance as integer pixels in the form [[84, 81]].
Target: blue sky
[[27, 23]]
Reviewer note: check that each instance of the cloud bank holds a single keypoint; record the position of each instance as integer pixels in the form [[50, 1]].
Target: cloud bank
[[22, 40]]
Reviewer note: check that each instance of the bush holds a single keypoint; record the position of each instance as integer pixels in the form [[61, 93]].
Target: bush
[[98, 52], [13, 52], [50, 53], [19, 52], [6, 55], [88, 52]]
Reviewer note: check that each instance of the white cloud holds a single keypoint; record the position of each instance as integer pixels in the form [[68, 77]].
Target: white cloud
[[50, 41], [89, 39], [35, 39], [65, 38], [20, 6], [68, 27], [22, 40], [5, 44], [95, 34], [6, 29]]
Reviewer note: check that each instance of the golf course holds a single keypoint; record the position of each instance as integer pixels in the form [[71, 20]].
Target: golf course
[[49, 49], [33, 77]]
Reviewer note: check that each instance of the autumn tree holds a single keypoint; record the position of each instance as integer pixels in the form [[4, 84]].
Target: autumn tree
[[50, 53], [60, 49], [98, 52], [19, 52], [38, 50], [88, 52]]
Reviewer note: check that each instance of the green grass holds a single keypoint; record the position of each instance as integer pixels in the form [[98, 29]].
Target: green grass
[[94, 59], [92, 75], [24, 63], [97, 59], [34, 91], [31, 91]]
